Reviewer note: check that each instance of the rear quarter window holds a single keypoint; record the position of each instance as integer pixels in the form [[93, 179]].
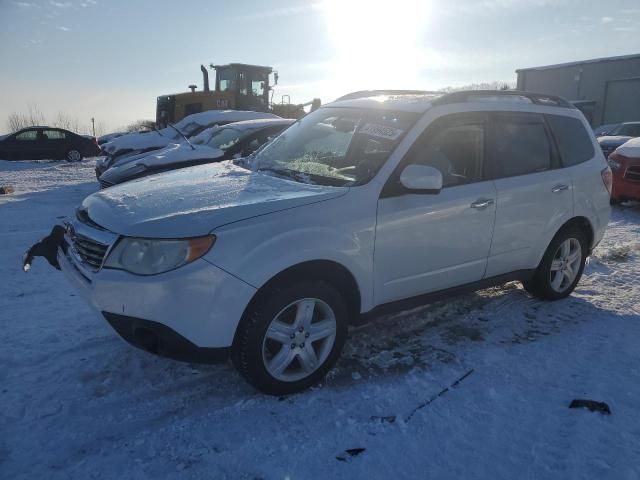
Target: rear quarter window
[[574, 143]]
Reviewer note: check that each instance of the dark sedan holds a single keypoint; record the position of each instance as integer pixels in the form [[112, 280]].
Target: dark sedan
[[37, 143]]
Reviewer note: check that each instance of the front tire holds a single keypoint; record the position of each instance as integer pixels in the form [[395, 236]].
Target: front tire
[[290, 337], [561, 267]]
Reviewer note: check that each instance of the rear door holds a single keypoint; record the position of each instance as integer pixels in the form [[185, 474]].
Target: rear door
[[57, 143], [534, 195]]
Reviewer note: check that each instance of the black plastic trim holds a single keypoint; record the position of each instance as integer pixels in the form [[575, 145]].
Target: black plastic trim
[[420, 300], [157, 338]]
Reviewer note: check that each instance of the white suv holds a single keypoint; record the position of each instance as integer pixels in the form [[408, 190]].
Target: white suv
[[363, 204]]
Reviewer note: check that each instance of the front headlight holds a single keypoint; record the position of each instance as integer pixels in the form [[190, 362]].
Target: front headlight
[[146, 256], [613, 164]]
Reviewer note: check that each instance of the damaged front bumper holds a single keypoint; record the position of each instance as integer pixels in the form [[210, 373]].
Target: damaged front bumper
[[190, 313]]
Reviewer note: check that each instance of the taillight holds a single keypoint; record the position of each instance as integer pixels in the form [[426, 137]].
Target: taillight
[[607, 179]]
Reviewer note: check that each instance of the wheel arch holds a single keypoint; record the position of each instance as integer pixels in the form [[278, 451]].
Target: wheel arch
[[330, 271], [582, 223]]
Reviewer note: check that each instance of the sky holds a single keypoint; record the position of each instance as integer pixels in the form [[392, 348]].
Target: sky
[[110, 59]]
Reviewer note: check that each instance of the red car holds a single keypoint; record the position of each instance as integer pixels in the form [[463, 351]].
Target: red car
[[625, 165]]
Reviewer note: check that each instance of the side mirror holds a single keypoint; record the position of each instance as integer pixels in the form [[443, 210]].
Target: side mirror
[[421, 179]]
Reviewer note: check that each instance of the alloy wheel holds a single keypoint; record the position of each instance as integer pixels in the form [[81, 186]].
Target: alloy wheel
[[299, 339], [565, 265]]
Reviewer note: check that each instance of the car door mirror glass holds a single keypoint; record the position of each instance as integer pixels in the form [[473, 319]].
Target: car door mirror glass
[[421, 179]]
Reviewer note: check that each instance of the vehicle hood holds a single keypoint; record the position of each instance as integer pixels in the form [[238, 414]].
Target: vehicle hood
[[196, 200], [613, 140], [630, 149], [2, 137], [171, 157], [140, 141]]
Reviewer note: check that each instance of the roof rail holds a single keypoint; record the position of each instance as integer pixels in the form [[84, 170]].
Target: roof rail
[[537, 98], [375, 93]]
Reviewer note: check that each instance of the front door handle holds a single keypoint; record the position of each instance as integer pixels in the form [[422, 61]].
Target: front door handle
[[559, 188], [482, 203]]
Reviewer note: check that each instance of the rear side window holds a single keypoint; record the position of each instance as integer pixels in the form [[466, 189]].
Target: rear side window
[[55, 134], [520, 145], [574, 143]]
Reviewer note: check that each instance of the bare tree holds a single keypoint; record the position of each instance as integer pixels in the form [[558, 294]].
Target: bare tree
[[67, 122], [18, 121], [140, 125], [495, 85]]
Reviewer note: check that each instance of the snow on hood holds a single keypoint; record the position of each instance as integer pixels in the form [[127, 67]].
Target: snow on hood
[[242, 126], [613, 139], [175, 155], [630, 149], [194, 201], [160, 138]]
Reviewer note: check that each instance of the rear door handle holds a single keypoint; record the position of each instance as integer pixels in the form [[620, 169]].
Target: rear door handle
[[482, 203], [559, 188]]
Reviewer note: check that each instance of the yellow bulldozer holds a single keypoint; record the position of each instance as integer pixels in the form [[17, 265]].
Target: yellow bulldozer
[[238, 86]]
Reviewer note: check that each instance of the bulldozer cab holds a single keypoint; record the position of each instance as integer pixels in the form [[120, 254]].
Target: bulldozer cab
[[238, 86], [249, 84]]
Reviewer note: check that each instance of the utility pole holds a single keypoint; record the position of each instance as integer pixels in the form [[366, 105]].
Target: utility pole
[[93, 126]]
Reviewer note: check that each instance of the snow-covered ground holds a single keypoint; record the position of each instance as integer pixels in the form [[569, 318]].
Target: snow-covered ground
[[77, 402]]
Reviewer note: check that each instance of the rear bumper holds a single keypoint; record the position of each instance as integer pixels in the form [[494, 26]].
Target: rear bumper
[[624, 189], [196, 307]]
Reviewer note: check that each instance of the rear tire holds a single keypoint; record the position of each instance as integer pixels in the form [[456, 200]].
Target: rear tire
[[73, 155], [561, 267], [290, 337]]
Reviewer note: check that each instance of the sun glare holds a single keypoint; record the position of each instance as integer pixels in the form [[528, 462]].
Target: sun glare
[[377, 44]]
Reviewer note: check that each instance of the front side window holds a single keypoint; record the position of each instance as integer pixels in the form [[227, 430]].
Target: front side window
[[520, 145], [573, 141], [335, 146], [258, 87], [28, 136], [454, 146], [227, 79]]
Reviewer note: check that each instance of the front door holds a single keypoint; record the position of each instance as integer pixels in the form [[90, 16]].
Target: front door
[[26, 145], [430, 242]]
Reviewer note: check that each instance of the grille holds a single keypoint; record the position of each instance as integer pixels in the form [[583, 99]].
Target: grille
[[105, 184], [633, 173], [90, 251]]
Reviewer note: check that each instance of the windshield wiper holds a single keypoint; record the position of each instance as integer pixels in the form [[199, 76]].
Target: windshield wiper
[[283, 172], [182, 135], [155, 129]]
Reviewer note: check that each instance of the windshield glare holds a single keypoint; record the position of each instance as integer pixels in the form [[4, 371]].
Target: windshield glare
[[335, 146]]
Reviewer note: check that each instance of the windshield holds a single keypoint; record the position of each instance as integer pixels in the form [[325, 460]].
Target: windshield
[[628, 130], [335, 146]]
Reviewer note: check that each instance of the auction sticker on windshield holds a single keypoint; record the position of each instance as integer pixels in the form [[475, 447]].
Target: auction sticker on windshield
[[381, 131]]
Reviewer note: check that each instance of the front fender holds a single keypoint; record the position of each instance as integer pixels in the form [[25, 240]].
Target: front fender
[[257, 249]]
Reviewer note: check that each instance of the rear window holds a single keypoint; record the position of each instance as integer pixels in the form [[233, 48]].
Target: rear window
[[574, 143]]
